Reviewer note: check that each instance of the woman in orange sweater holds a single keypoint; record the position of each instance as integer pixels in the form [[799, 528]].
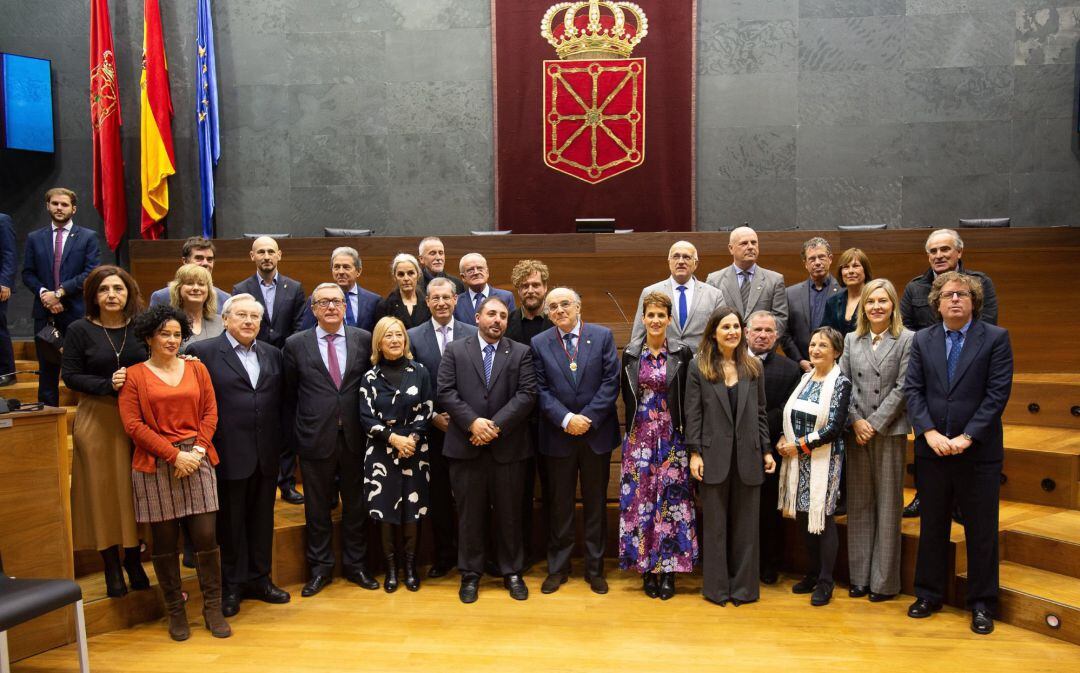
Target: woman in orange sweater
[[168, 409]]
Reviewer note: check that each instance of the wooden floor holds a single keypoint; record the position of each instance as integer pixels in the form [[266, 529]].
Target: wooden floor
[[348, 629]]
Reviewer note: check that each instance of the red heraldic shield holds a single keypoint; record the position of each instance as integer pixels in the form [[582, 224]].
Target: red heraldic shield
[[594, 117]]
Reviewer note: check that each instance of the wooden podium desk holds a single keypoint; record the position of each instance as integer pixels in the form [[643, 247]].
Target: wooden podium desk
[[35, 518]]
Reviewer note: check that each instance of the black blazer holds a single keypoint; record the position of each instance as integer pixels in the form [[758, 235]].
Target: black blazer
[[507, 402], [678, 360], [288, 310], [713, 427], [782, 374], [835, 315], [313, 401], [392, 305], [975, 400], [251, 427]]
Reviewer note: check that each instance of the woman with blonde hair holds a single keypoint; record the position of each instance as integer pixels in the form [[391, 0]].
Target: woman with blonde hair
[[192, 290], [396, 405]]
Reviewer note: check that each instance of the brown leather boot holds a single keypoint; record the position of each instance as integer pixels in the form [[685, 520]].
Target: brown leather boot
[[208, 565], [167, 568]]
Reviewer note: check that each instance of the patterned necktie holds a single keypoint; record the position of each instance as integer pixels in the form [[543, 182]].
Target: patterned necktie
[[744, 289], [350, 315], [58, 252], [956, 339], [332, 361], [571, 351], [682, 306], [479, 299], [443, 338], [489, 358], [876, 342]]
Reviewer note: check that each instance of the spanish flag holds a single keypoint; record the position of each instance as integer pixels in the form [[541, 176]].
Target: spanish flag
[[158, 159]]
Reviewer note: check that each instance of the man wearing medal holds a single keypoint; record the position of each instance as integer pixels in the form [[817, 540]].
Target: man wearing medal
[[577, 376]]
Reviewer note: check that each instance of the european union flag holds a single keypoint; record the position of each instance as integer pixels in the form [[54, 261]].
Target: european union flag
[[206, 109]]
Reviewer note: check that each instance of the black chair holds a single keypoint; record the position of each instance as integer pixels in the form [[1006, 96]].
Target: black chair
[[862, 227], [254, 236], [22, 600], [985, 222], [331, 232]]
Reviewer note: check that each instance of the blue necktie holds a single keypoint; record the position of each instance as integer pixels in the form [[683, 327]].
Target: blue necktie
[[957, 340], [682, 306], [477, 300], [489, 358], [350, 315]]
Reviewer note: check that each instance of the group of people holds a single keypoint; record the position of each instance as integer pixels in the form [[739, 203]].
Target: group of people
[[446, 399]]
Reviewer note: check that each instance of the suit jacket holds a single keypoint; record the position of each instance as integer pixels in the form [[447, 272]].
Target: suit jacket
[[313, 401], [506, 402], [426, 277], [368, 302], [78, 259], [973, 403], [782, 374], [714, 429], [393, 306], [796, 337], [466, 313], [424, 343], [590, 391], [877, 380], [678, 362], [251, 424], [8, 257], [766, 293], [288, 309], [917, 313], [161, 297], [706, 299]]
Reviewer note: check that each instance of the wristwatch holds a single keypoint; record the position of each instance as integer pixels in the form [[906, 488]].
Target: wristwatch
[[969, 437], [59, 292], [199, 450]]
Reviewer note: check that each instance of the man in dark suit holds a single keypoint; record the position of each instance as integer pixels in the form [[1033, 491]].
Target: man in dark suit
[[487, 385], [781, 377], [324, 366], [360, 304], [57, 260], [958, 382], [577, 378], [428, 343], [200, 251], [282, 299], [432, 258], [806, 300], [474, 271], [8, 264], [248, 385]]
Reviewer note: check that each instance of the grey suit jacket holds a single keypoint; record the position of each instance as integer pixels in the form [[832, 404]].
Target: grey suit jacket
[[706, 299], [766, 293], [424, 343], [877, 380], [797, 335]]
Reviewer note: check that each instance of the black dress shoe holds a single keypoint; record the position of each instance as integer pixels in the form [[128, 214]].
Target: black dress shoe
[[314, 585], [439, 570], [922, 608], [822, 594], [7, 380], [722, 602], [651, 584], [804, 586], [770, 577], [858, 590], [982, 622], [958, 517], [292, 496], [267, 593], [598, 584], [230, 602], [912, 509], [470, 585], [667, 586], [516, 586], [881, 598], [362, 579], [552, 583]]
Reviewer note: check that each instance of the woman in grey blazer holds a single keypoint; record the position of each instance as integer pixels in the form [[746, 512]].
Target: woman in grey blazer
[[875, 359], [727, 432]]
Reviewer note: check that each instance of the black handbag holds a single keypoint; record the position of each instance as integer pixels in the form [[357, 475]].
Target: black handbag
[[50, 344]]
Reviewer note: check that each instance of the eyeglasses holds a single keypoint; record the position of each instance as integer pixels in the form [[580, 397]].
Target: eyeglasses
[[564, 305], [681, 257], [244, 317], [956, 294], [474, 269], [324, 303]]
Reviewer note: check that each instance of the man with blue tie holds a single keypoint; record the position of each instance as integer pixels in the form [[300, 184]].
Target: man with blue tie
[[428, 343], [577, 380], [959, 378], [8, 263], [692, 300], [474, 272], [57, 260], [360, 304]]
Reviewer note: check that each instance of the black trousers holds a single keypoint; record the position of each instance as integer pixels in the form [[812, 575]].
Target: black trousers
[[535, 467], [481, 486], [7, 354], [245, 529], [730, 544], [975, 487], [49, 374], [346, 463], [771, 523], [563, 474], [287, 468], [441, 508]]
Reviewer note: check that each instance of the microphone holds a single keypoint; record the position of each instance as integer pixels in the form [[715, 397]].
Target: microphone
[[614, 301], [12, 405], [21, 371]]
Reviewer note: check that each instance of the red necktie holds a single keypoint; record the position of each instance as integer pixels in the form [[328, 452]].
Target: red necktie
[[332, 361], [58, 252]]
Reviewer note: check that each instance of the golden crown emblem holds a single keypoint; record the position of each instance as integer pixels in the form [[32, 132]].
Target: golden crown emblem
[[602, 33]]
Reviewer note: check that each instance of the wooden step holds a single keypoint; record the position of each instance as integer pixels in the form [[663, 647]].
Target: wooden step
[[1045, 399], [1050, 543], [24, 349], [26, 370], [1035, 599]]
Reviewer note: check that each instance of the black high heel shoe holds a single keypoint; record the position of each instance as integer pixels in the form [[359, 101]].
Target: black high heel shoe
[[651, 584], [667, 586]]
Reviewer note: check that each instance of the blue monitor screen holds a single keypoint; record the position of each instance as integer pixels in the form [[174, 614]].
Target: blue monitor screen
[[27, 99]]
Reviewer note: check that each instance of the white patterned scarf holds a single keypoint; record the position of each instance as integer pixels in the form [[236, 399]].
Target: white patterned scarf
[[819, 457]]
